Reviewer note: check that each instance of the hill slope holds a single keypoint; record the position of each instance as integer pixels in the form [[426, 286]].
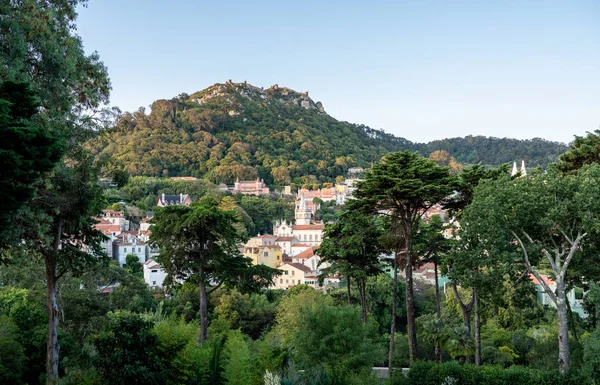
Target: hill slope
[[236, 130]]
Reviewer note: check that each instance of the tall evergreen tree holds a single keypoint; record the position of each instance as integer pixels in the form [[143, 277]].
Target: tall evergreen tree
[[39, 46], [199, 243], [27, 152], [351, 247], [404, 186]]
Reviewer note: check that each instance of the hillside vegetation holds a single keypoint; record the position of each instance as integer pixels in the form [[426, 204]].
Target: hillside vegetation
[[236, 130]]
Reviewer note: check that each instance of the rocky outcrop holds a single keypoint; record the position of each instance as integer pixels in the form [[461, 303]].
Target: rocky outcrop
[[283, 95]]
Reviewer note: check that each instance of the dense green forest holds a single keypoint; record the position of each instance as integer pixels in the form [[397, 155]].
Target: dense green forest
[[235, 130]]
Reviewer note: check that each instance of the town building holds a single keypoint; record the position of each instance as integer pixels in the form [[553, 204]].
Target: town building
[[128, 243], [170, 200], [286, 244], [154, 274], [324, 194], [303, 230], [116, 217], [247, 187], [268, 255]]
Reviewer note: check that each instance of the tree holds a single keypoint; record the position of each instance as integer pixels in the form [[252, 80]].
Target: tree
[[236, 362], [27, 152], [200, 243], [351, 247], [59, 228], [332, 339], [583, 150], [431, 245], [542, 218], [128, 351], [404, 186], [464, 265], [39, 47]]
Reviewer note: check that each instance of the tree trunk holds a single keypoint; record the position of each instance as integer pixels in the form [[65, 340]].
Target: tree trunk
[[410, 300], [349, 294], [52, 347], [438, 349], [393, 327], [362, 288], [465, 308], [477, 329], [437, 289], [203, 311], [564, 357], [466, 312]]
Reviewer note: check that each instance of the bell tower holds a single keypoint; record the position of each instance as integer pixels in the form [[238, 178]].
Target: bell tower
[[302, 212]]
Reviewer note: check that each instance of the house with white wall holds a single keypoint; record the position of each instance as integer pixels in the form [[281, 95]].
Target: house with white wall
[[154, 274]]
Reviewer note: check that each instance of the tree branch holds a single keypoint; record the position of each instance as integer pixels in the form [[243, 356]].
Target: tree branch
[[572, 252], [547, 288]]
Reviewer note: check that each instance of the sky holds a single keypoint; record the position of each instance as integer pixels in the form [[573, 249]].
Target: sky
[[422, 70]]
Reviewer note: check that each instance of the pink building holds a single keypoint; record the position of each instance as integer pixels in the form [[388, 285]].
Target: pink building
[[248, 187]]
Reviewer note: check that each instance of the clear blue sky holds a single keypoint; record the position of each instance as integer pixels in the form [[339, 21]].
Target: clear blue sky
[[422, 70]]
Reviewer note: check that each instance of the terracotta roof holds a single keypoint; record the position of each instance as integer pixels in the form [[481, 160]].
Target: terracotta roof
[[546, 278], [299, 266], [424, 267], [101, 221], [309, 227], [307, 253], [284, 239], [270, 247], [267, 236]]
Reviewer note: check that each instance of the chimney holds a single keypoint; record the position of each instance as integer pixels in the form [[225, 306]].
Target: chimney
[[163, 197], [181, 198]]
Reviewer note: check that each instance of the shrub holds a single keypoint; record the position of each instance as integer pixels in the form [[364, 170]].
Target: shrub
[[430, 373]]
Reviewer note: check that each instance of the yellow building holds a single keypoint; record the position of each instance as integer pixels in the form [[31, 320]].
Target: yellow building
[[269, 255]]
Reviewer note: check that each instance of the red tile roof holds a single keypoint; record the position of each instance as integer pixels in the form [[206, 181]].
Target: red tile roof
[[270, 247], [284, 239], [309, 227], [300, 266], [307, 253], [546, 278]]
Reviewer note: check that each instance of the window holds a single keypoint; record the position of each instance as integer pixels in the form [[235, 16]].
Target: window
[[310, 237], [154, 271], [286, 272], [125, 250], [278, 257], [139, 249], [280, 280], [287, 281], [154, 282], [293, 272], [266, 253], [292, 281]]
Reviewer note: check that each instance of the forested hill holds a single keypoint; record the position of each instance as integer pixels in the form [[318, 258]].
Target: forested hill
[[236, 130]]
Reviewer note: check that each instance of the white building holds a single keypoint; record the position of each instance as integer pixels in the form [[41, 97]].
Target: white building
[[154, 274], [286, 244], [115, 217], [303, 230], [127, 243]]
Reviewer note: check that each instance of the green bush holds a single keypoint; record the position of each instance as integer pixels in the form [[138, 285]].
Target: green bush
[[591, 355], [430, 373]]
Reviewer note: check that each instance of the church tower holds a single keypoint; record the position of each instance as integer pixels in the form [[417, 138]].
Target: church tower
[[302, 212]]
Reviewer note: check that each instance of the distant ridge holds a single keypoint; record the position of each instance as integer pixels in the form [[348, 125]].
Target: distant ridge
[[237, 130]]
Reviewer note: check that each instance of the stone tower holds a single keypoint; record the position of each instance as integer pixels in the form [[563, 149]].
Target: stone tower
[[302, 212]]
